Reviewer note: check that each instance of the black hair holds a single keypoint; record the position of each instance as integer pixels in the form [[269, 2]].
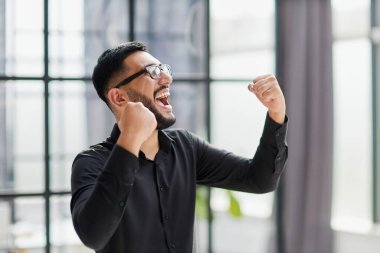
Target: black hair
[[110, 62]]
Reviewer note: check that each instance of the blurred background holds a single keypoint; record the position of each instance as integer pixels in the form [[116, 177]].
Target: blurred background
[[323, 53]]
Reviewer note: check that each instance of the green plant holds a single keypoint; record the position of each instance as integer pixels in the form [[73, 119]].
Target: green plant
[[201, 203]]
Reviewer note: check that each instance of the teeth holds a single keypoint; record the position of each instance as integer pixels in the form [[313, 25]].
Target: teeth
[[165, 95]]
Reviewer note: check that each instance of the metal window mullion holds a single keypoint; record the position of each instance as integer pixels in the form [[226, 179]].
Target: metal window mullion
[[131, 12], [375, 118], [88, 79], [279, 193], [376, 102], [32, 194], [208, 122], [46, 125]]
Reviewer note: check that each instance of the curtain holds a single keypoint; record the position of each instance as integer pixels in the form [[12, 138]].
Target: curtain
[[304, 68]]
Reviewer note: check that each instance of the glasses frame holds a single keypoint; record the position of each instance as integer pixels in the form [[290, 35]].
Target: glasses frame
[[143, 71]]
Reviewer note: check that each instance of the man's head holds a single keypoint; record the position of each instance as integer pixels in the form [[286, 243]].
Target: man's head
[[110, 62], [128, 73]]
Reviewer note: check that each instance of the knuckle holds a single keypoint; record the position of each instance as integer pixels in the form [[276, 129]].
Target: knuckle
[[272, 78]]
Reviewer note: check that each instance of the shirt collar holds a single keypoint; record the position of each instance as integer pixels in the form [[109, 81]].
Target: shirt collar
[[114, 134]]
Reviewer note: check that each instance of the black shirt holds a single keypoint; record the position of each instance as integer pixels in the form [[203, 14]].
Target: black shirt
[[124, 203]]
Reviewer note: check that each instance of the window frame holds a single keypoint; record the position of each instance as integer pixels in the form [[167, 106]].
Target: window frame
[[375, 58]]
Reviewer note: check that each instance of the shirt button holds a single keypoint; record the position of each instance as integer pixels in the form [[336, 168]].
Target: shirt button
[[173, 246], [162, 188], [166, 217], [122, 204]]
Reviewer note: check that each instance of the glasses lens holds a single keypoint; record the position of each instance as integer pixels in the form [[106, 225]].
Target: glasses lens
[[166, 69], [153, 71]]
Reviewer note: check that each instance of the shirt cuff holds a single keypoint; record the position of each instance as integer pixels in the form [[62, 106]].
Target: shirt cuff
[[274, 133]]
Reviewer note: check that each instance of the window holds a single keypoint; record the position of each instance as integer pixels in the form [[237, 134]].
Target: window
[[51, 110], [242, 47], [375, 21], [352, 184]]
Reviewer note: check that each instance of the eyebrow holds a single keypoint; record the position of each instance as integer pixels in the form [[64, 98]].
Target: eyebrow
[[153, 64]]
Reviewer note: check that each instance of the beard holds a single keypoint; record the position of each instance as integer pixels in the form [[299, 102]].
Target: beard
[[162, 122]]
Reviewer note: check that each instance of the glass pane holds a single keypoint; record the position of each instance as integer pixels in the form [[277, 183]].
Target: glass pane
[[353, 144], [2, 37], [242, 38], [351, 18], [243, 65], [175, 33], [78, 119], [22, 225], [233, 107], [81, 30], [247, 234], [68, 125], [252, 205], [23, 38], [63, 236], [189, 106], [66, 37], [68, 116], [67, 54], [201, 234], [22, 147]]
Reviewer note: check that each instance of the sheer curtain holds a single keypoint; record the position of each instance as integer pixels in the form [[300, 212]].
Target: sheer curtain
[[304, 48]]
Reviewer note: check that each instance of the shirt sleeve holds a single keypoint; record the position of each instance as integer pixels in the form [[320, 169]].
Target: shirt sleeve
[[100, 189], [260, 174]]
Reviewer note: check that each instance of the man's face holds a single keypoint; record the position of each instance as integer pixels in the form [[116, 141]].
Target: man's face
[[154, 94]]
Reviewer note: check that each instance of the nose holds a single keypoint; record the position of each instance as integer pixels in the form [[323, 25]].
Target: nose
[[165, 78]]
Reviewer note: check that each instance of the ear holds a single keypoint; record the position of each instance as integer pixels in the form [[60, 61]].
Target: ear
[[117, 97]]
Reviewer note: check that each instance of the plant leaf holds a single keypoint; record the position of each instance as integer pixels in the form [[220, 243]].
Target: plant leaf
[[234, 208], [200, 203]]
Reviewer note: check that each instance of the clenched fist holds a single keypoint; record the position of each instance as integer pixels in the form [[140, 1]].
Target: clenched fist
[[136, 124], [268, 91]]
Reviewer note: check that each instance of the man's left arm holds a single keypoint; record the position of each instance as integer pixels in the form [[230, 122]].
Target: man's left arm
[[260, 174]]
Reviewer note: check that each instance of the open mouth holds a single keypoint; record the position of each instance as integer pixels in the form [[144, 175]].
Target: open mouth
[[164, 98]]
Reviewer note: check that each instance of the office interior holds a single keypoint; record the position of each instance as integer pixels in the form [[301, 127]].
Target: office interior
[[324, 54]]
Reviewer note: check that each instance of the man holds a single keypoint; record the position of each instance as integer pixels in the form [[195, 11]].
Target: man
[[135, 192]]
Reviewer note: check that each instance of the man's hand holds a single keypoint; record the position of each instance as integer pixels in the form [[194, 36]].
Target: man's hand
[[136, 124], [268, 91]]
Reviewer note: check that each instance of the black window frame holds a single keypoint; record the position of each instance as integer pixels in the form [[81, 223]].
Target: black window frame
[[47, 194]]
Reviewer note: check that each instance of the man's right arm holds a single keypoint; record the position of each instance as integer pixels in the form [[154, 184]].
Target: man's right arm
[[100, 188], [101, 182]]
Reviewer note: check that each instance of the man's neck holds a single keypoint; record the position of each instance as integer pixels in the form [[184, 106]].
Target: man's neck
[[150, 146]]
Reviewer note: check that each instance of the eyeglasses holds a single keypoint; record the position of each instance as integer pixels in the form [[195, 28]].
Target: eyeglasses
[[153, 70]]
